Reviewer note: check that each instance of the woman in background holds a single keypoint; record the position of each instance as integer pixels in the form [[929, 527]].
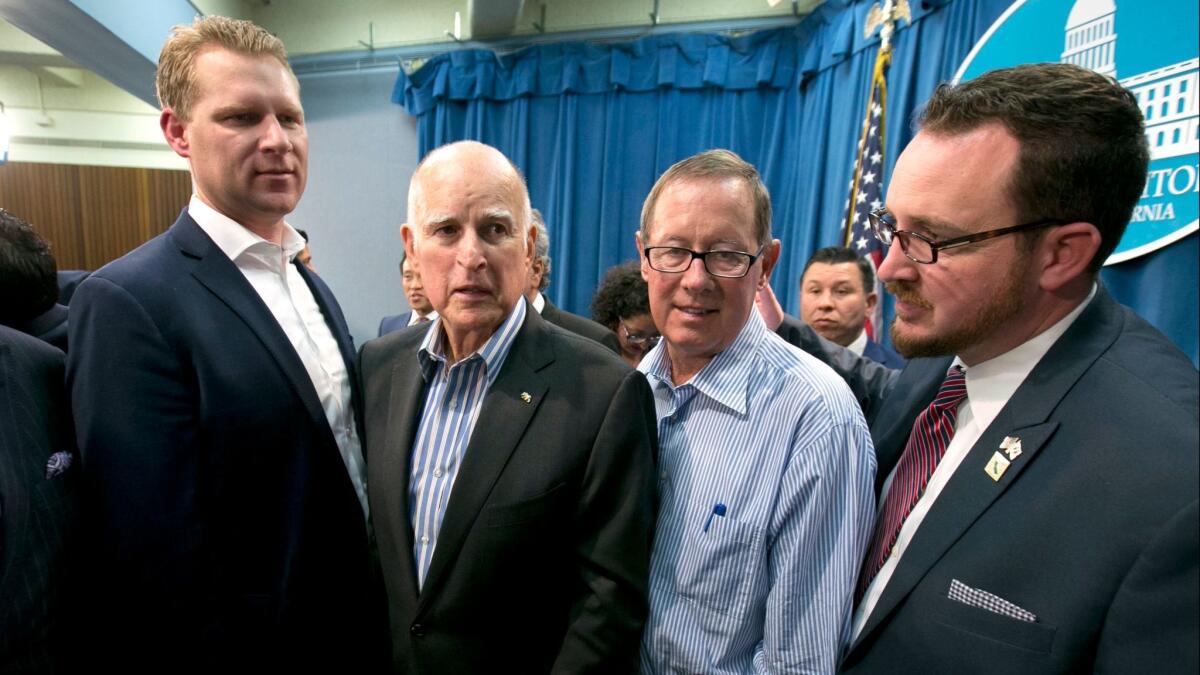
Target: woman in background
[[622, 304]]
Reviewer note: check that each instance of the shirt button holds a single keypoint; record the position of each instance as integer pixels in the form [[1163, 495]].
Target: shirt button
[[437, 473], [424, 539], [417, 630], [453, 404], [663, 475]]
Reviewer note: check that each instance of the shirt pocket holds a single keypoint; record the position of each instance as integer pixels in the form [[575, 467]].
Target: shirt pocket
[[719, 562]]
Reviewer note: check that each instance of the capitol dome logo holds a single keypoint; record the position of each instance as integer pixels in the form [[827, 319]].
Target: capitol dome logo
[[1149, 47]]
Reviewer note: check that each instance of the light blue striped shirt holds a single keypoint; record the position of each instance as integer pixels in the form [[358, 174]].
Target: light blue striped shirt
[[766, 505], [453, 396]]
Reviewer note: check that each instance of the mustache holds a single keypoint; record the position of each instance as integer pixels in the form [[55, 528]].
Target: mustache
[[904, 292]]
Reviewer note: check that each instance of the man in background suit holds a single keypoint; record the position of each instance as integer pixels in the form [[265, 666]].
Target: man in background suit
[[837, 294], [1039, 510], [414, 292], [539, 280], [37, 506], [510, 461], [29, 283], [213, 389]]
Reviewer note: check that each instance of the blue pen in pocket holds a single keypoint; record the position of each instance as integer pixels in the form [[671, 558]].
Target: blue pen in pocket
[[718, 510]]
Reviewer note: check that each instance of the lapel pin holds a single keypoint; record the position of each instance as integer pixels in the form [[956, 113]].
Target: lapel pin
[[1011, 445], [526, 397], [996, 466]]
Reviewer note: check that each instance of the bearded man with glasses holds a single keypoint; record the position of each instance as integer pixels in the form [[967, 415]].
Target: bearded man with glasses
[[766, 466], [1037, 456]]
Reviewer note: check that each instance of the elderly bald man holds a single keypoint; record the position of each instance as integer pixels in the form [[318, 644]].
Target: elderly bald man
[[510, 461]]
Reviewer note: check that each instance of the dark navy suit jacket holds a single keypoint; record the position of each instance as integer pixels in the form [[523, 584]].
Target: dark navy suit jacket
[[881, 353], [37, 510], [226, 530], [393, 323], [1093, 527]]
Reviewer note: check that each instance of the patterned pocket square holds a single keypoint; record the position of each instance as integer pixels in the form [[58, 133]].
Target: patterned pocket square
[[58, 464], [974, 597]]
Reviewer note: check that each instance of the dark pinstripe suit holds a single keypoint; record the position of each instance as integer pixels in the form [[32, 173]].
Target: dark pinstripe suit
[[36, 513]]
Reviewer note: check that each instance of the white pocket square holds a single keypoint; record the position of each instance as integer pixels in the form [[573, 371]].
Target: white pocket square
[[974, 597]]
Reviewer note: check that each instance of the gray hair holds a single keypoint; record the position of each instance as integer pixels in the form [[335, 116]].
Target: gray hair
[[541, 249]]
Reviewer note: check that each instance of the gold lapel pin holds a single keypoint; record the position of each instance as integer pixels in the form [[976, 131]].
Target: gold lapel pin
[[526, 397], [1011, 445], [996, 466]]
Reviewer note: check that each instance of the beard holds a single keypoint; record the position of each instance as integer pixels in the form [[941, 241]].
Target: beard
[[983, 322]]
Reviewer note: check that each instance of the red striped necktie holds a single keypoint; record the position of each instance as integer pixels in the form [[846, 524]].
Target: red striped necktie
[[927, 444]]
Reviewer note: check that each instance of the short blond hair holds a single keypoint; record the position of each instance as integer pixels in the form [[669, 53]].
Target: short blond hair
[[175, 80]]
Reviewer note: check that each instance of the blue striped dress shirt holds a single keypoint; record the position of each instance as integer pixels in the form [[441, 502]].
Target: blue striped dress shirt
[[766, 504], [453, 397]]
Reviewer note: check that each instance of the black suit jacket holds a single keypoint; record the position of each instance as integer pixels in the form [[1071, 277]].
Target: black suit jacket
[[225, 527], [542, 560], [1093, 528], [869, 381], [49, 326], [37, 513], [393, 323], [580, 326]]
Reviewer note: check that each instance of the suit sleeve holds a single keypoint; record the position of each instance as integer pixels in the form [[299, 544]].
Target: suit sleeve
[[869, 381], [1152, 624], [133, 403], [614, 528]]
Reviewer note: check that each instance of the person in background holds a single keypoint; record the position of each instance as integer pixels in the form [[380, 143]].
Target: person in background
[[38, 510], [215, 402], [836, 297], [539, 280], [766, 466], [421, 311], [621, 303], [29, 283], [1038, 454]]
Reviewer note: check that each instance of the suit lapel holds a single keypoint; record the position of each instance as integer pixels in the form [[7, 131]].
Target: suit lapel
[[502, 422], [220, 276], [341, 334], [971, 491], [920, 382], [403, 413]]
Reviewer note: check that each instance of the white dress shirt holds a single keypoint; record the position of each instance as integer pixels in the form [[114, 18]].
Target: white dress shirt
[[859, 344], [539, 303], [414, 318], [989, 386], [270, 271]]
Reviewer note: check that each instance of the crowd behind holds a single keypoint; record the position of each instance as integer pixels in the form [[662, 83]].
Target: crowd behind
[[199, 472]]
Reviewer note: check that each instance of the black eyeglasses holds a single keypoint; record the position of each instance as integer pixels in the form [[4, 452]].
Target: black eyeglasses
[[640, 340], [728, 264], [921, 249]]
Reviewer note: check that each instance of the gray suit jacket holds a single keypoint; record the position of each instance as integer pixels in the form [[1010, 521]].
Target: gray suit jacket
[[542, 560]]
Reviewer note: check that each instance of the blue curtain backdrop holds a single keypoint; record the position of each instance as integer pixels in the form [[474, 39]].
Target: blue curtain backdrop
[[593, 125]]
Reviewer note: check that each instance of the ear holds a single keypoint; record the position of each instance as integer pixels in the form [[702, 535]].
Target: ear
[[770, 256], [637, 238], [410, 247], [174, 129], [530, 245], [1065, 253], [872, 299]]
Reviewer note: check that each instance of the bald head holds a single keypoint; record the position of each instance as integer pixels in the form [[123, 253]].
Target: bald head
[[471, 158], [470, 234]]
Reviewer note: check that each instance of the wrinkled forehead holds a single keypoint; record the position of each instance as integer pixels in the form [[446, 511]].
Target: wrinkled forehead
[[486, 182]]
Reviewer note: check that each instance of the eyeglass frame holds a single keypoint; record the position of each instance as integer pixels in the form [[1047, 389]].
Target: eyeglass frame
[[876, 219], [643, 342], [704, 260]]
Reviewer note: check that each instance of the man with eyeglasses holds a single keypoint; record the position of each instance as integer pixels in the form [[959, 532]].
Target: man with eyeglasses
[[766, 466], [1038, 458]]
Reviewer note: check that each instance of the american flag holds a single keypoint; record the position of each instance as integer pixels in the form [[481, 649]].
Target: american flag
[[866, 188]]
